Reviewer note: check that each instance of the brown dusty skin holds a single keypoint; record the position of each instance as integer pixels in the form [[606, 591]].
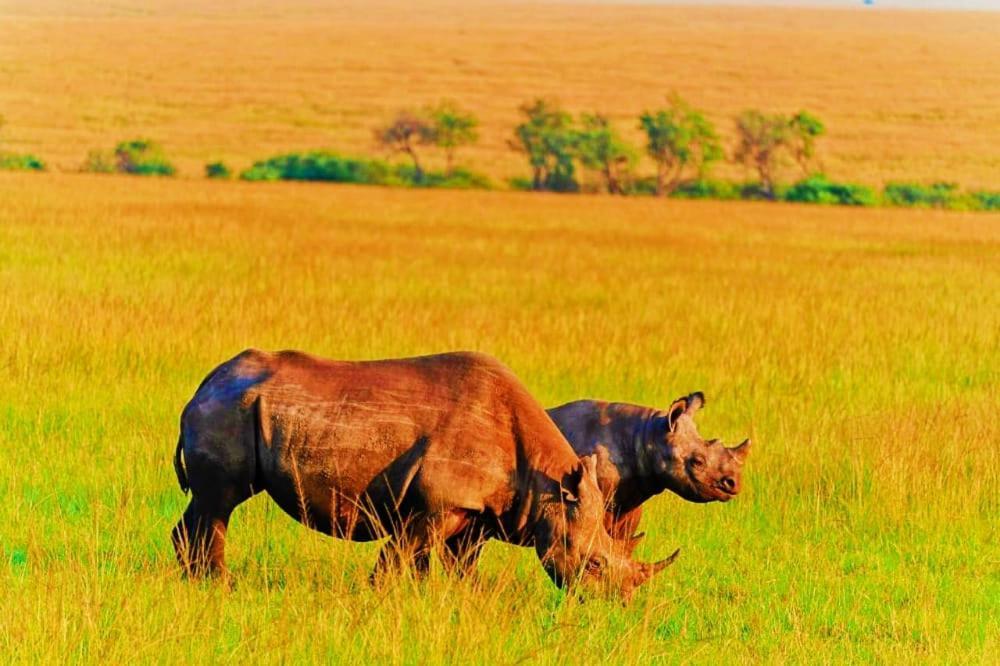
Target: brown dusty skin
[[642, 451], [447, 450]]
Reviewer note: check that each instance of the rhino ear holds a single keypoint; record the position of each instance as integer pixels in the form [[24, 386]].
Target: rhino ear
[[695, 401], [686, 405], [569, 489]]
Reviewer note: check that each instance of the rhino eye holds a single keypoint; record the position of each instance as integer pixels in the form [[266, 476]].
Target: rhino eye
[[597, 564]]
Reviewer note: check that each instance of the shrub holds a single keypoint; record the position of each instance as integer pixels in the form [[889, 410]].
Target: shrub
[[99, 161], [321, 166], [938, 195], [983, 200], [142, 157], [708, 189], [217, 170], [15, 162], [817, 189], [458, 179]]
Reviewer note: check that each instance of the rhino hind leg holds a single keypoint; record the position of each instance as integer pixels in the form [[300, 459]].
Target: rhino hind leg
[[199, 540], [220, 474]]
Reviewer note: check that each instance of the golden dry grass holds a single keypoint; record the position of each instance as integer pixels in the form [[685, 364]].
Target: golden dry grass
[[858, 348], [905, 95]]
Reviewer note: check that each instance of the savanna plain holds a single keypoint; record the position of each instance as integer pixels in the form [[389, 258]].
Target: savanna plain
[[858, 348]]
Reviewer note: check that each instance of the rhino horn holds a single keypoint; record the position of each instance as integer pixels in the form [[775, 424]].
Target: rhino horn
[[742, 451], [657, 567]]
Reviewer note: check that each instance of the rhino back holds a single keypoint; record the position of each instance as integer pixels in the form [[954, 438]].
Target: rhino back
[[418, 434]]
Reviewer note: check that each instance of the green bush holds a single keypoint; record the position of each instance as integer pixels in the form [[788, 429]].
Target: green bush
[[142, 157], [459, 179], [559, 182], [261, 171], [15, 162], [320, 166], [817, 189], [323, 166], [938, 195], [983, 200], [217, 170]]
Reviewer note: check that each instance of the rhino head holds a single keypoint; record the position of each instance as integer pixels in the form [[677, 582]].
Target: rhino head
[[698, 470], [573, 543]]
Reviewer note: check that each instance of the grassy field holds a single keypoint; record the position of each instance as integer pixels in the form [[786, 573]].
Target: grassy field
[[905, 95], [858, 348]]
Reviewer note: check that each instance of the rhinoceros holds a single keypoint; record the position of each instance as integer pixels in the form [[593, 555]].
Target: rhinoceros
[[642, 451], [447, 450]]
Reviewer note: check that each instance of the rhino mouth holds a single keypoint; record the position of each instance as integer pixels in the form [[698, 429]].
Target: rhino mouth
[[725, 494]]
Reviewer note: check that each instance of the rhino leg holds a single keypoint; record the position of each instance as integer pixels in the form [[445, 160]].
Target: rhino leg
[[199, 540], [411, 547], [460, 552], [401, 554], [220, 469]]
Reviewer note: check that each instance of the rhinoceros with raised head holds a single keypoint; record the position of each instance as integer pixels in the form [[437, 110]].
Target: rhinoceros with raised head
[[448, 449], [642, 451]]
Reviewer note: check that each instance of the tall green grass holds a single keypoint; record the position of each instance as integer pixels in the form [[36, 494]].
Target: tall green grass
[[857, 347]]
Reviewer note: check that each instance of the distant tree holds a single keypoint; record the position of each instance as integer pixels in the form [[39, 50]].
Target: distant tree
[[760, 140], [548, 139], [453, 128], [404, 134], [599, 147], [805, 129], [682, 142]]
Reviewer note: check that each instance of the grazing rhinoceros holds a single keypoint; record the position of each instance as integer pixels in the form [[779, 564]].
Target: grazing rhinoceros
[[642, 451], [448, 449]]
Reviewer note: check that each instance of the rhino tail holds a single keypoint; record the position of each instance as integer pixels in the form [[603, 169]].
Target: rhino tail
[[182, 478]]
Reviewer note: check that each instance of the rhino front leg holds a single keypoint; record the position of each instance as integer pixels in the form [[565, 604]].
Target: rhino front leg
[[401, 554], [460, 553], [411, 548]]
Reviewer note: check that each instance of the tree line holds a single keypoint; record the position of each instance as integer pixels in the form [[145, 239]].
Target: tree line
[[680, 140]]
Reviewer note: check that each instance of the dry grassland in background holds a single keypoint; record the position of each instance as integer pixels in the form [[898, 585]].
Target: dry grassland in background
[[905, 95]]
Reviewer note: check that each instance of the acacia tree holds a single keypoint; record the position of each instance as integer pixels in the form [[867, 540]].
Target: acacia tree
[[682, 142], [600, 148], [805, 128], [548, 139], [404, 134], [760, 140], [453, 128]]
